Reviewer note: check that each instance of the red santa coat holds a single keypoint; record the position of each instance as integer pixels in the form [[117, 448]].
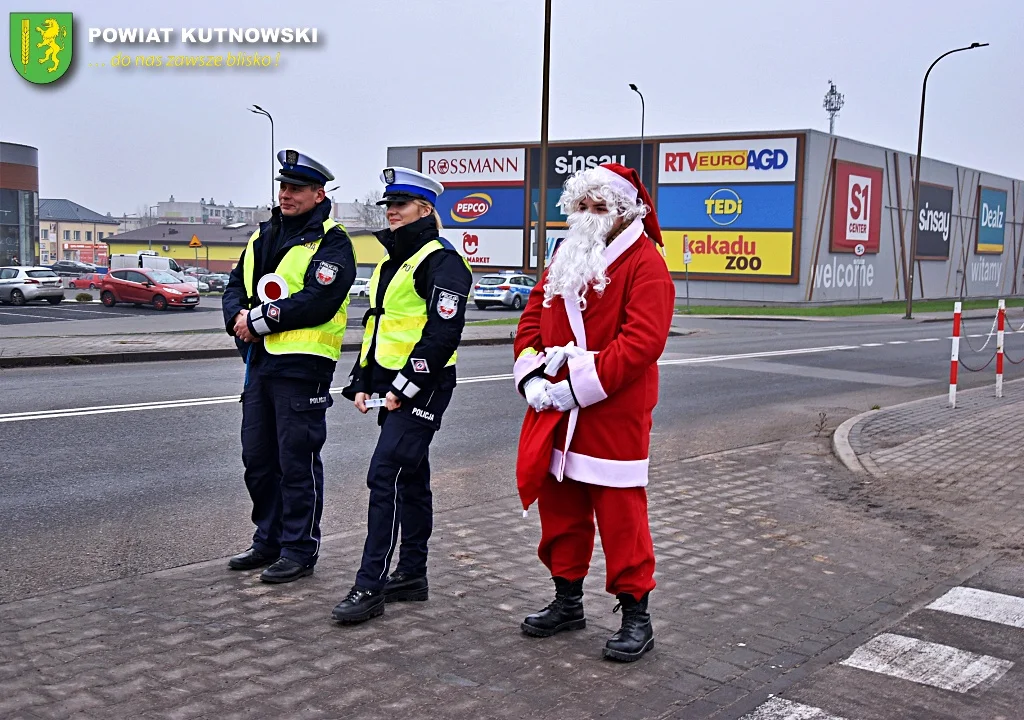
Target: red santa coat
[[624, 330]]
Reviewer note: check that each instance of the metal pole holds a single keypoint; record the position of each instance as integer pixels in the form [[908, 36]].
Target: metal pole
[[260, 111], [917, 181], [635, 89], [542, 181]]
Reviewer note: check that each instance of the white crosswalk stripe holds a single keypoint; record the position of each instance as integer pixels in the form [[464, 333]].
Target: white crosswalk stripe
[[927, 663], [982, 605], [779, 709]]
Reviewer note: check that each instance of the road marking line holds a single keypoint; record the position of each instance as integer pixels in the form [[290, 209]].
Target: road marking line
[[927, 663], [897, 342], [18, 314], [927, 340], [778, 709], [982, 605], [872, 344], [169, 404]]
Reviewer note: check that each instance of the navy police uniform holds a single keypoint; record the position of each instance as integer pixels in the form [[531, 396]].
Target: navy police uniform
[[287, 393], [400, 505]]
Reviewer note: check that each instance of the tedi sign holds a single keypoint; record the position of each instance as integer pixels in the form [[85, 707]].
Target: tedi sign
[[934, 220]]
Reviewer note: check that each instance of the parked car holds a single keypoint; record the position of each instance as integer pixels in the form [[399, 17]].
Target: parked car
[[509, 289], [158, 288], [19, 285], [72, 267], [197, 283], [89, 280], [216, 282], [360, 287]]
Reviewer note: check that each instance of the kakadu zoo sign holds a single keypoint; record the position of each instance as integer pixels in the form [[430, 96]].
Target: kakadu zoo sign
[[41, 45]]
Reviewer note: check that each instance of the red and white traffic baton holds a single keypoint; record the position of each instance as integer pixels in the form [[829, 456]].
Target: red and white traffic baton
[[954, 360], [1001, 323]]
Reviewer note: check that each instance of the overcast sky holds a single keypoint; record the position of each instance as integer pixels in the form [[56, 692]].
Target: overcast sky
[[421, 72]]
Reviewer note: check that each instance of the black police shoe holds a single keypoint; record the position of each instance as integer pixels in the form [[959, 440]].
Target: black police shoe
[[359, 606], [564, 613], [250, 560], [285, 570], [636, 636], [405, 586]]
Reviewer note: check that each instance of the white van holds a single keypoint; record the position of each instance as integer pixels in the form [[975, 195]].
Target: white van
[[144, 259]]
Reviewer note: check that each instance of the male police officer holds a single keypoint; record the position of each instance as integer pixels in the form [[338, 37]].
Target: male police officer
[[417, 311], [286, 304]]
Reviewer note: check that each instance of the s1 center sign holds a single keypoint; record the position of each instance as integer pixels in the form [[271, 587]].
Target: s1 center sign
[[735, 201]]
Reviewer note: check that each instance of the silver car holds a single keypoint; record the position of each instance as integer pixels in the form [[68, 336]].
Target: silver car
[[19, 285]]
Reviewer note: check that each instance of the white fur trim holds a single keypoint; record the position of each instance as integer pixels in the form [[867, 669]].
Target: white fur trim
[[624, 241], [527, 364], [621, 184], [586, 385], [599, 471]]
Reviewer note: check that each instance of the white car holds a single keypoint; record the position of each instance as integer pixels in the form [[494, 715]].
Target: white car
[[200, 285], [360, 287], [19, 285]]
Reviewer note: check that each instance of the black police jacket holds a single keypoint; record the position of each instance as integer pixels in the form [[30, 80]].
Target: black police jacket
[[442, 276], [314, 305]]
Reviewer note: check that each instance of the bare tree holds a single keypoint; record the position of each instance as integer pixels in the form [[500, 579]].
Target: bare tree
[[371, 215]]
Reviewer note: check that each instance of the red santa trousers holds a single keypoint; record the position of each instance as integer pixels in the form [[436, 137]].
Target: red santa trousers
[[567, 511]]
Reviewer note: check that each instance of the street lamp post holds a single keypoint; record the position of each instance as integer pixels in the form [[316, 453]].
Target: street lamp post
[[637, 91], [151, 224], [917, 180], [260, 111], [541, 234]]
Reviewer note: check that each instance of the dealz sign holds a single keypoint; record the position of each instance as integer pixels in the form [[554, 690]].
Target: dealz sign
[[856, 207]]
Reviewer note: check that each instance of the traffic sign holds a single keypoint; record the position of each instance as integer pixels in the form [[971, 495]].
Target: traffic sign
[[687, 257], [859, 249], [194, 242]]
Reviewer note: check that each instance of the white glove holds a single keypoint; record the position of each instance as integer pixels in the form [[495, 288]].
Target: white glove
[[561, 396], [536, 392], [558, 355]]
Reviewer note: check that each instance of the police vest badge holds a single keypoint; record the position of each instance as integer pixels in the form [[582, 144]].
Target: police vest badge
[[326, 272], [447, 304]]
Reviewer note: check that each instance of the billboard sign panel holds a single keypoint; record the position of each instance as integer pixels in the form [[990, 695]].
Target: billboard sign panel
[[856, 207], [750, 160], [731, 254], [732, 207], [934, 222], [480, 206], [991, 221], [487, 246], [496, 166]]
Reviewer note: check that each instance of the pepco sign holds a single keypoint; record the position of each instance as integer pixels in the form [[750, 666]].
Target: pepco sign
[[471, 207], [728, 161]]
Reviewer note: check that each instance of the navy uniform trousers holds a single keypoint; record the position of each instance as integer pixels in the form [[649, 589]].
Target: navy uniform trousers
[[401, 504], [284, 427]]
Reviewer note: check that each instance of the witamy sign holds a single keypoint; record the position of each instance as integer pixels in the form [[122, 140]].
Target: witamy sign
[[934, 221]]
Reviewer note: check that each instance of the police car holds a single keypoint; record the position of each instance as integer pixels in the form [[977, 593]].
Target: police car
[[509, 288]]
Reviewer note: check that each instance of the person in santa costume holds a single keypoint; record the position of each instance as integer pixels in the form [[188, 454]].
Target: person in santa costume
[[586, 361]]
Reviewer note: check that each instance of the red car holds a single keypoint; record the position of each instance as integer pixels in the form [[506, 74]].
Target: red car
[[143, 286], [89, 280]]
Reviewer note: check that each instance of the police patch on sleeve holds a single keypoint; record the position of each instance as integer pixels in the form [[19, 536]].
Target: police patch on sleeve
[[326, 272], [273, 312], [419, 365], [447, 304]]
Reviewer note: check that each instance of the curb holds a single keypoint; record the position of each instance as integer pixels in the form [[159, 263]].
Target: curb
[[166, 355], [841, 444]]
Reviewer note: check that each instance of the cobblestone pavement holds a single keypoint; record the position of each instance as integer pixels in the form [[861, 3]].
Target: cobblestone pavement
[[767, 562], [963, 467]]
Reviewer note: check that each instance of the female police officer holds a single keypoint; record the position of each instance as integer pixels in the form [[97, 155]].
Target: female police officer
[[417, 311]]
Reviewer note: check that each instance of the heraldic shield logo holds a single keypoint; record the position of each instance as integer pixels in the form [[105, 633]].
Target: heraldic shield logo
[[41, 45]]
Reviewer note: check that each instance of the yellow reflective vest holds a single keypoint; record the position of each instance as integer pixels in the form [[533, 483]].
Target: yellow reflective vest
[[322, 340], [399, 323]]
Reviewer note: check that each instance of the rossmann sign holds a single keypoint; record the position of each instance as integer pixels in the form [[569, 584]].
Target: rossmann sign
[[758, 160], [498, 166]]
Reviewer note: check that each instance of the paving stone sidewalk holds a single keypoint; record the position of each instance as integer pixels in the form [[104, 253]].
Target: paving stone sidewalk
[[764, 571], [965, 465]]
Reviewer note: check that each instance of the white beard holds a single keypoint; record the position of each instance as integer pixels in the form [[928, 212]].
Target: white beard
[[580, 262]]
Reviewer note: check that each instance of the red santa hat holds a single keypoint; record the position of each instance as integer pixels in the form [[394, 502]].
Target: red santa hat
[[627, 182]]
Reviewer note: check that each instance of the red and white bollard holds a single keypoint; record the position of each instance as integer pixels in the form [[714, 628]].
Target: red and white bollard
[[954, 360], [1000, 325]]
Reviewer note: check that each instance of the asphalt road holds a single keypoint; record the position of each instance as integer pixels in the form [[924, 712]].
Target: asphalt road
[[101, 493], [43, 312]]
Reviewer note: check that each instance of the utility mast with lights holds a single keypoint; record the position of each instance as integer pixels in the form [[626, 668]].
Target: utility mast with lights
[[833, 104]]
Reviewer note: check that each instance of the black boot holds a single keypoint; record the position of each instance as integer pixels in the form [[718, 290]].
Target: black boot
[[636, 636], [405, 586], [564, 613]]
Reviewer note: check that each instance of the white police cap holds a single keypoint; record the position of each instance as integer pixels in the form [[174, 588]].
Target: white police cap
[[299, 169], [405, 184]]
